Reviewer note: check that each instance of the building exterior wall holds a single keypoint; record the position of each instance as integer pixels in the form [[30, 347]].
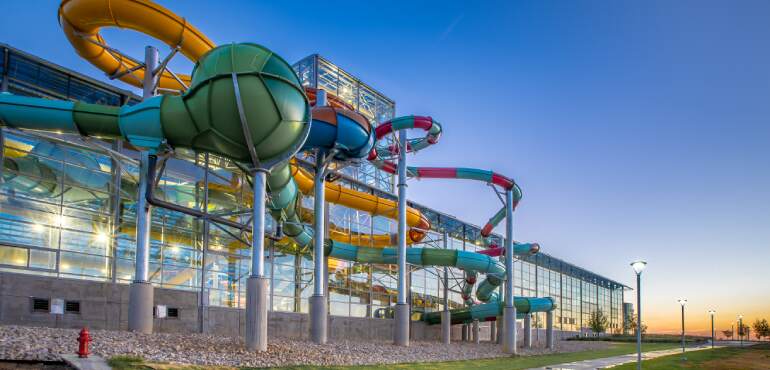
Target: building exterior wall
[[67, 214]]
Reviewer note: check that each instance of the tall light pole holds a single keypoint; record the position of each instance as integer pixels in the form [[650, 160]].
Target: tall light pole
[[713, 334], [638, 267], [740, 328], [682, 302], [732, 331]]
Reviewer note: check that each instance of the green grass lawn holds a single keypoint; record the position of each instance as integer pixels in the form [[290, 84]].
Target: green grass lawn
[[746, 358], [524, 362]]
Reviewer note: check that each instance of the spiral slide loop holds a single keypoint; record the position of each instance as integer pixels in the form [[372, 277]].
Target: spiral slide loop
[[82, 20]]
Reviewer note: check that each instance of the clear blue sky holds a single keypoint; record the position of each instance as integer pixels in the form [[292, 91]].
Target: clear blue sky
[[636, 129]]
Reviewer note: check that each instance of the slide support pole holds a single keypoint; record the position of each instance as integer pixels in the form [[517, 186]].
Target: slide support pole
[[493, 331], [257, 298], [141, 292], [509, 312], [318, 307], [402, 307], [446, 316], [549, 329], [528, 330]]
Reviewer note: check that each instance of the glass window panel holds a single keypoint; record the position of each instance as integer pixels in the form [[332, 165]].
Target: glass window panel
[[84, 264], [13, 256], [42, 259], [339, 308], [281, 303]]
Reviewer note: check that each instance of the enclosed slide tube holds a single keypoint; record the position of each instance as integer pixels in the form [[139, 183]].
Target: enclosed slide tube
[[490, 311]]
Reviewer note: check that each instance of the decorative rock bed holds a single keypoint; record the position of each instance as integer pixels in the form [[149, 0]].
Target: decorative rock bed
[[46, 344]]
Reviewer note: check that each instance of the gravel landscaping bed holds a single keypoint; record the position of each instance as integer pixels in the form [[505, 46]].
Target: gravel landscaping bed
[[36, 343]]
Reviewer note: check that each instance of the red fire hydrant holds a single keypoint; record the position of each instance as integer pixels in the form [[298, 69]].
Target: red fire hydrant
[[83, 339]]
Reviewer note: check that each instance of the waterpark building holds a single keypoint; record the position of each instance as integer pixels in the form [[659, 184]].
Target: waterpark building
[[68, 231]]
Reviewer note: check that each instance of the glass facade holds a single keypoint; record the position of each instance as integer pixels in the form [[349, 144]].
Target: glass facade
[[67, 209], [317, 72]]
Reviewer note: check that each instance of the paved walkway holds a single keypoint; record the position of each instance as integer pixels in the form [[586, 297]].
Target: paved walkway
[[601, 363], [93, 362]]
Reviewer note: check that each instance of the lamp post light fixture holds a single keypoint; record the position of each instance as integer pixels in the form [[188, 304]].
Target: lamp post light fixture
[[713, 333], [682, 302], [638, 267]]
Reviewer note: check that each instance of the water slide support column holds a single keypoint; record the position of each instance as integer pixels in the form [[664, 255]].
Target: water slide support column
[[509, 312], [141, 292], [446, 316], [257, 290], [549, 330], [318, 307], [528, 331], [475, 335], [402, 307], [493, 331]]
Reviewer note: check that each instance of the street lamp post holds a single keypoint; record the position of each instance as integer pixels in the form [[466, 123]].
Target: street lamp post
[[638, 267], [740, 328], [682, 302], [732, 331], [713, 334]]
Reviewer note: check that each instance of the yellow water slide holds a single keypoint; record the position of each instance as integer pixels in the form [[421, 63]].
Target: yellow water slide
[[82, 20]]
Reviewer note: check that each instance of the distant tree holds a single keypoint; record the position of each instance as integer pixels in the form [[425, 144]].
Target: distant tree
[[765, 328], [727, 333], [633, 325], [761, 328], [598, 322]]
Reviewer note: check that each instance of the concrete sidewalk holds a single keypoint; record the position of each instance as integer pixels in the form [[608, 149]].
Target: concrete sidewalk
[[93, 362], [607, 362]]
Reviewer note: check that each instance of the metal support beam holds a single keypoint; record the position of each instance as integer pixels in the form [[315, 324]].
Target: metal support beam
[[475, 333], [528, 331], [318, 304], [509, 312], [549, 330], [257, 286], [141, 295], [493, 331], [203, 311], [446, 316], [402, 307], [150, 64]]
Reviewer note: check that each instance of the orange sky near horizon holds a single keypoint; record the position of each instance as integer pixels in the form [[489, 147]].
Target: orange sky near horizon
[[661, 311]]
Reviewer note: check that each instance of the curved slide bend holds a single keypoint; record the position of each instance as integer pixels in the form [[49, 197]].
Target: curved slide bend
[[271, 128], [381, 157]]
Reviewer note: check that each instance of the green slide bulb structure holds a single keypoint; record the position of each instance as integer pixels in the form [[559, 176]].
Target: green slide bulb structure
[[233, 86]]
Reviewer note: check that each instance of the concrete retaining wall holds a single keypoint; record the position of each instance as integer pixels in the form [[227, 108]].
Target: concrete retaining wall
[[105, 306]]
